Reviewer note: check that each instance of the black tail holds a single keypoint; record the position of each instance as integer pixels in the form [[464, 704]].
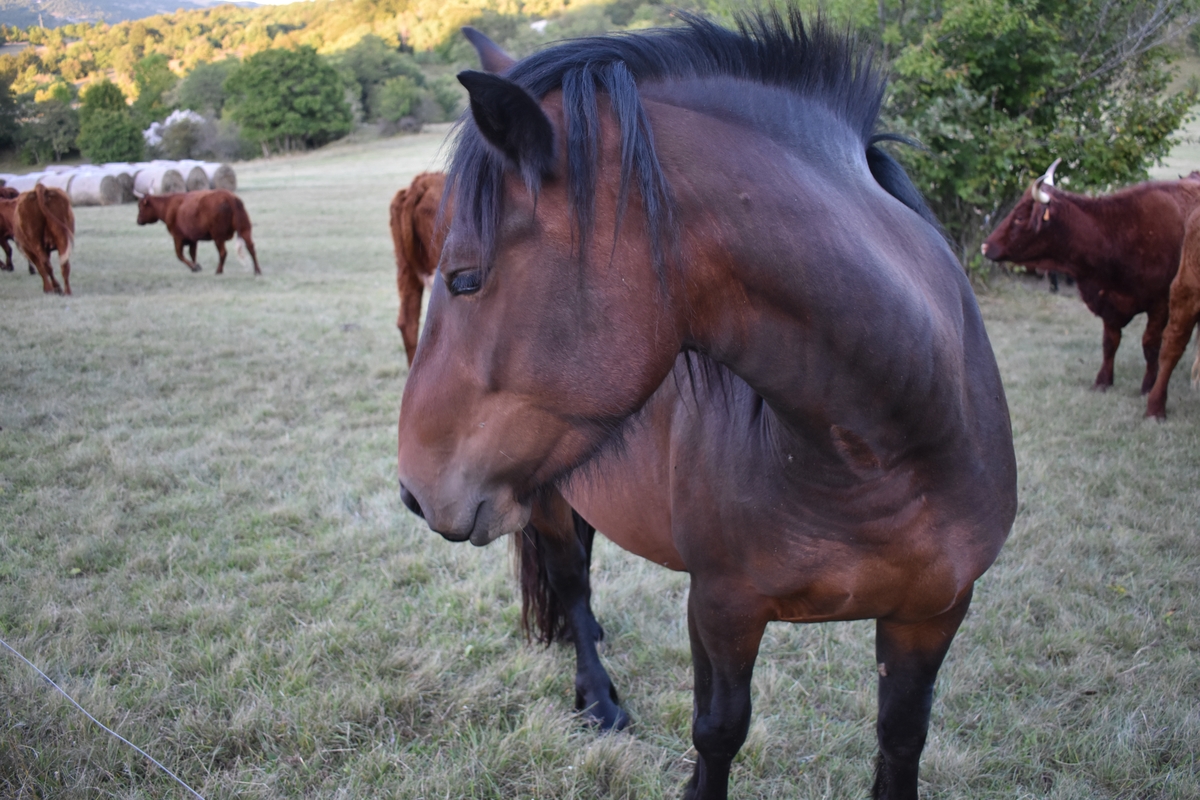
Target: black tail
[[543, 617]]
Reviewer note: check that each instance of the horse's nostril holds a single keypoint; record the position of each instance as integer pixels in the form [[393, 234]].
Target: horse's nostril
[[410, 502]]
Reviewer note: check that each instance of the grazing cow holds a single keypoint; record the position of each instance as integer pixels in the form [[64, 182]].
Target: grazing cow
[[418, 244], [1122, 250], [1185, 313], [42, 220], [213, 215], [8, 208]]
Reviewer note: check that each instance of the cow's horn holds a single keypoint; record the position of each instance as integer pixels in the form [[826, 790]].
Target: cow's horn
[[1048, 178]]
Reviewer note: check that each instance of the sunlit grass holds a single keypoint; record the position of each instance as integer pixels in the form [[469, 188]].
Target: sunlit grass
[[201, 539]]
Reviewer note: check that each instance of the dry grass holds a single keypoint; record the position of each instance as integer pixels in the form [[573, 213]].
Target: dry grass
[[200, 538]]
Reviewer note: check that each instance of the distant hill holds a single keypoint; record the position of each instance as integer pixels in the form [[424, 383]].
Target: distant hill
[[53, 13]]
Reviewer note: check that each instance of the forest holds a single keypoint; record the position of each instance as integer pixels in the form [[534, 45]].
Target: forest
[[988, 92]]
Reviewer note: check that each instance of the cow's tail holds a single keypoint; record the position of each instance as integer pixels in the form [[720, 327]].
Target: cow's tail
[[241, 226], [1196, 366], [65, 230], [239, 246]]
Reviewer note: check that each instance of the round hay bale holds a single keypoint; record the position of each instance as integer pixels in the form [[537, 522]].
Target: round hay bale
[[158, 179], [24, 183], [221, 176], [95, 188], [57, 180], [123, 173], [195, 179]]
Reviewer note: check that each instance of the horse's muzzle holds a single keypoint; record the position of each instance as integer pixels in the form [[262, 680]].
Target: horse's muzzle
[[410, 502]]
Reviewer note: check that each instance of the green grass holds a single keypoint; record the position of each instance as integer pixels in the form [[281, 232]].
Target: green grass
[[201, 540]]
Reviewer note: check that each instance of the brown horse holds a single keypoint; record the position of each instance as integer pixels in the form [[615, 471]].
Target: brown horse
[[8, 211], [683, 286], [43, 221], [413, 218]]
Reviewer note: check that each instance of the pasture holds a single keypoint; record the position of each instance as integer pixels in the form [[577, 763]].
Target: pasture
[[201, 539]]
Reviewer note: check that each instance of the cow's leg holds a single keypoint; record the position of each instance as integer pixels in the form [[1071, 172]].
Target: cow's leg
[[1156, 322], [1185, 313], [725, 630], [564, 545], [192, 254], [249, 243], [1053, 276], [908, 657], [42, 262], [411, 289], [221, 253], [192, 265], [1112, 340], [8, 265], [65, 265]]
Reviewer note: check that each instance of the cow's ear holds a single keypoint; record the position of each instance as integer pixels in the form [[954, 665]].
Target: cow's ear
[[491, 56], [512, 122]]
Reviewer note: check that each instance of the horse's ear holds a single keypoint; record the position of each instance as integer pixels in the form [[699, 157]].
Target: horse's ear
[[491, 56], [512, 121]]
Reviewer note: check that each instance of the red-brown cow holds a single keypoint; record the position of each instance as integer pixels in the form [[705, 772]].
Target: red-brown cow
[[42, 220], [1185, 313], [1122, 250], [418, 244], [210, 215], [8, 208]]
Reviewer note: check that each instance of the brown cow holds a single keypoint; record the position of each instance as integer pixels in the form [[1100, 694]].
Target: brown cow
[[1122, 250], [1185, 313], [418, 244], [210, 215], [7, 209], [42, 220]]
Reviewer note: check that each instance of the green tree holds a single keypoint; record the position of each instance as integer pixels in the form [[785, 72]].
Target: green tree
[[153, 78], [997, 89], [397, 98], [203, 89], [107, 131], [366, 66], [49, 132], [10, 129], [288, 98], [110, 135]]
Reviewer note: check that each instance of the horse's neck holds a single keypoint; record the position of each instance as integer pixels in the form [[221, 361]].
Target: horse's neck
[[823, 295]]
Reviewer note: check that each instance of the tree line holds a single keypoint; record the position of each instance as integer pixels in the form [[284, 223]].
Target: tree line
[[989, 91]]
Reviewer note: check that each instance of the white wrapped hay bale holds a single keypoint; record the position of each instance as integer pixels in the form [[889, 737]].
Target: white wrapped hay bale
[[24, 183], [158, 179], [220, 176], [58, 180], [194, 177], [95, 188]]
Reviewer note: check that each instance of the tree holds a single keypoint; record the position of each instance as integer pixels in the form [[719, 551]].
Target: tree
[[289, 98], [997, 89], [10, 129], [110, 136], [366, 66], [104, 95], [203, 89], [49, 132], [153, 78]]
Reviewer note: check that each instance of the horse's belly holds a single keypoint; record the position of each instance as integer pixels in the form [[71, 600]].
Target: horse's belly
[[632, 518]]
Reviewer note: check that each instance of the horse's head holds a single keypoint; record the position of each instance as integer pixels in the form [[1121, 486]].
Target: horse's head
[[147, 213], [1025, 234], [546, 329]]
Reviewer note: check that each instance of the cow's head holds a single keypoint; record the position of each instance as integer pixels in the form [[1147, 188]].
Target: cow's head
[[1025, 234], [147, 213]]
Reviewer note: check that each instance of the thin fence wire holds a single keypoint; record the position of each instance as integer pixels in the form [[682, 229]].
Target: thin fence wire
[[103, 727]]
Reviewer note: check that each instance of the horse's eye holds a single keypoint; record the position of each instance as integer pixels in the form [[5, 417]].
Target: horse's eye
[[465, 282]]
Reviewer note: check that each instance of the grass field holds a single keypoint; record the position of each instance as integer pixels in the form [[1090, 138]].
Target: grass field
[[201, 540]]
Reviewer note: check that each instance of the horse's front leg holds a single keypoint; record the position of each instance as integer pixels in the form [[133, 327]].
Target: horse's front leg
[[564, 543], [909, 656], [725, 632]]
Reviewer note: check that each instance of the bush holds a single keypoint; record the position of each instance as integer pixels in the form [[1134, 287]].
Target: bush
[[109, 135]]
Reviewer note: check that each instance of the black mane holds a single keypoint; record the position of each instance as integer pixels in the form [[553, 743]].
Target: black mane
[[768, 48]]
